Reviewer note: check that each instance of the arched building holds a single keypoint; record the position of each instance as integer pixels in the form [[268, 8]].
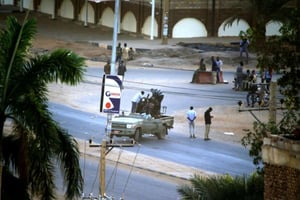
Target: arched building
[[175, 18]]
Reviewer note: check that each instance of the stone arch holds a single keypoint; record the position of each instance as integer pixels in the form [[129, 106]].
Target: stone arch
[[146, 29], [66, 9], [107, 18], [91, 13], [182, 29], [272, 28], [129, 22], [46, 7], [233, 30]]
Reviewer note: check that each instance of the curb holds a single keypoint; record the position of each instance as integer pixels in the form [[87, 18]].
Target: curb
[[144, 162]]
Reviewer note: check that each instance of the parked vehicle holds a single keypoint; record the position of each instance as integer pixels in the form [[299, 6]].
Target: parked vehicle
[[148, 120], [135, 125]]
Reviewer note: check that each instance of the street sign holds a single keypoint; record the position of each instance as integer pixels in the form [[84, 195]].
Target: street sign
[[111, 94]]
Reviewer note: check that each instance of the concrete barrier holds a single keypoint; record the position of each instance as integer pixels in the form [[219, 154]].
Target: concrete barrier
[[209, 77]]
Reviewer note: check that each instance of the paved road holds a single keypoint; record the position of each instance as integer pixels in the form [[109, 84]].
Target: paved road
[[212, 157]]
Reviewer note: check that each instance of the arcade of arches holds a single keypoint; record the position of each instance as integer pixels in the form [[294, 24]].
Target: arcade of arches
[[185, 20]]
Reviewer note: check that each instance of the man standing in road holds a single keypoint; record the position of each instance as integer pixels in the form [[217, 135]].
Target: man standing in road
[[191, 116], [207, 119], [107, 67], [121, 71], [125, 53], [119, 53], [135, 100], [244, 43]]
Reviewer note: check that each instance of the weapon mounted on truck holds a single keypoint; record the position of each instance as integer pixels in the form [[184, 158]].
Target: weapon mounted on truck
[[147, 120]]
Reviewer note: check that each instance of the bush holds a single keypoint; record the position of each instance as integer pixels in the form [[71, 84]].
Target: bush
[[223, 188]]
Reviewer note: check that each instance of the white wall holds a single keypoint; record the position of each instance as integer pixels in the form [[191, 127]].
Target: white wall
[[188, 28], [28, 4], [7, 2], [272, 28], [146, 29], [234, 30], [129, 22], [66, 9], [91, 14], [107, 18], [46, 6]]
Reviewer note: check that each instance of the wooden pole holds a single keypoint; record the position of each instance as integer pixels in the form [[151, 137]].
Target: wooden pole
[[272, 103], [102, 168]]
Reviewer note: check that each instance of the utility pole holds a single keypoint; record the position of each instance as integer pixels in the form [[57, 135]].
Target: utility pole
[[272, 103], [86, 13], [115, 38], [165, 21], [152, 19], [102, 169], [105, 148]]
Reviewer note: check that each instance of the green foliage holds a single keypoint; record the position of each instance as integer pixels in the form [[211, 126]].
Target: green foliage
[[255, 140], [223, 188], [35, 143], [282, 53]]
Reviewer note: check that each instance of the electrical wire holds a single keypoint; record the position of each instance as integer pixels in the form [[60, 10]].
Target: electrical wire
[[130, 172]]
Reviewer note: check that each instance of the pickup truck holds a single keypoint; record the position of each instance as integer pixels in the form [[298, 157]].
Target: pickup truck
[[134, 125]]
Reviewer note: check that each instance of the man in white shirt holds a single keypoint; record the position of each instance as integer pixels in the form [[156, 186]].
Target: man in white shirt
[[191, 116], [135, 100]]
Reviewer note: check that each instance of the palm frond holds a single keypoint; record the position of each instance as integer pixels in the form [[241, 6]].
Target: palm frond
[[15, 42], [36, 142], [61, 64], [223, 187], [68, 155], [15, 154]]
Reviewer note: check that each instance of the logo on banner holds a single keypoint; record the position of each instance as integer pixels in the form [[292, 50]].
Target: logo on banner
[[111, 94]]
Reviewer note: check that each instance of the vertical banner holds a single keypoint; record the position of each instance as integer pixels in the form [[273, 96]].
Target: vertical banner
[[111, 94]]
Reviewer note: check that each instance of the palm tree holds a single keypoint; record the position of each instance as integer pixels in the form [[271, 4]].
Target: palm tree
[[33, 144]]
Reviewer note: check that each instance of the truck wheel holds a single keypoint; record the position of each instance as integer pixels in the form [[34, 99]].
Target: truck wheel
[[137, 135], [163, 133]]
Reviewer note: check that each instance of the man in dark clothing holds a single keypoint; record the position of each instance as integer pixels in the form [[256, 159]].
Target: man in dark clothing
[[214, 64], [244, 43], [119, 53], [207, 119], [107, 67], [121, 71], [251, 94], [214, 68], [122, 68]]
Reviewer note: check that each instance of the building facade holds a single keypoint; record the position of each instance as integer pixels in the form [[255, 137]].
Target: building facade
[[170, 18]]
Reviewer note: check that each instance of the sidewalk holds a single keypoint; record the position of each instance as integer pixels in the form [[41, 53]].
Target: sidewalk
[[144, 162]]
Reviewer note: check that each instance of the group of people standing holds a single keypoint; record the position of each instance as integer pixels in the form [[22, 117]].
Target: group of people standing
[[216, 66], [191, 117], [123, 54], [253, 91]]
